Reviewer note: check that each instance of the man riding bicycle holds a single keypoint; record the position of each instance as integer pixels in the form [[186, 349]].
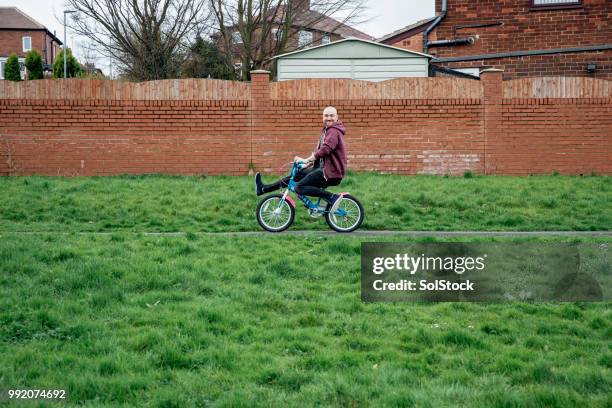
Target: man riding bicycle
[[325, 167]]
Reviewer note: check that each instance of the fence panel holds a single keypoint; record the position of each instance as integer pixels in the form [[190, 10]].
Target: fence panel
[[401, 88], [99, 89], [557, 87]]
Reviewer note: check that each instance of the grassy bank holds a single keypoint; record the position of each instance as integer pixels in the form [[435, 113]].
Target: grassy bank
[[162, 203], [131, 320]]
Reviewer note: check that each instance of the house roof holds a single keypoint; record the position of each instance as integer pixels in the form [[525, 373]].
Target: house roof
[[317, 21], [332, 44], [11, 18], [402, 30], [328, 24], [91, 67]]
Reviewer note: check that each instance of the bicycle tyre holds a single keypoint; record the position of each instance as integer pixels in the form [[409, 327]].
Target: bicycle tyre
[[263, 213], [334, 221]]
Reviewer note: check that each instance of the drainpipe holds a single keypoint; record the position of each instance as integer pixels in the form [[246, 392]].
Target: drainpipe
[[432, 26], [44, 38]]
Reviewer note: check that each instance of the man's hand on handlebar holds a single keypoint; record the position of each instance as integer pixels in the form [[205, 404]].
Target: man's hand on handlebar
[[305, 162]]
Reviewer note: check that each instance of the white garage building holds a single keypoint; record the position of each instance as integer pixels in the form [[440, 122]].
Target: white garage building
[[352, 58]]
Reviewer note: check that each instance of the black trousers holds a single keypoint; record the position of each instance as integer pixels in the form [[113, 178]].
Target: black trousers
[[310, 182]]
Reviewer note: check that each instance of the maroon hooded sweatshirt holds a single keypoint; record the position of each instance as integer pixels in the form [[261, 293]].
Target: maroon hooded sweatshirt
[[331, 150]]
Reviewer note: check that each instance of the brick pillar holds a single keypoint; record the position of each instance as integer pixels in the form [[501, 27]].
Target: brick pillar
[[259, 104], [493, 133], [5, 159]]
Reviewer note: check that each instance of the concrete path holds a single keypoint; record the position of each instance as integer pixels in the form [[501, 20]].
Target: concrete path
[[358, 233], [370, 233]]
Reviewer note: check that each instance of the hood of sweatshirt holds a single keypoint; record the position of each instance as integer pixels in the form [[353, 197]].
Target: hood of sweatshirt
[[338, 125]]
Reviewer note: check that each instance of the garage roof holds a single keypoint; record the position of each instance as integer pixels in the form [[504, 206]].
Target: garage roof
[[372, 50]]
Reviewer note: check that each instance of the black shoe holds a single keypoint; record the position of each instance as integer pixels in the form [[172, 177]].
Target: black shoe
[[332, 202], [258, 185]]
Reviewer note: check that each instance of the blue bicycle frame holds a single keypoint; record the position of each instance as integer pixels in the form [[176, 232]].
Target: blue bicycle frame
[[297, 166]]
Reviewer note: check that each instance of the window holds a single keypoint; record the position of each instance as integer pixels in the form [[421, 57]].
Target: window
[[304, 38], [236, 37], [554, 4], [22, 67], [277, 34], [238, 69], [27, 43], [325, 39]]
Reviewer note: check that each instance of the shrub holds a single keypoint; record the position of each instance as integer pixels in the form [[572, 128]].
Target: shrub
[[34, 65], [206, 61], [11, 68], [73, 69]]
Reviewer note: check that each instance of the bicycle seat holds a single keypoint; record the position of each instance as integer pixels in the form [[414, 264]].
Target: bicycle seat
[[334, 182]]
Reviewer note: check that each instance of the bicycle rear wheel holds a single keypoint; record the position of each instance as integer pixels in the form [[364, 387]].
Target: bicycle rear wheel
[[348, 217]]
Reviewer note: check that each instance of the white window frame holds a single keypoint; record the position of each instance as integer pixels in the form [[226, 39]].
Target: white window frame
[[23, 43], [325, 39], [302, 40], [237, 37], [554, 3], [238, 69]]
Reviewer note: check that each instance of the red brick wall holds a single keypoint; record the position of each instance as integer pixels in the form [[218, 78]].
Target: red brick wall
[[572, 64], [106, 137], [528, 29], [569, 136], [544, 125], [414, 43], [52, 48], [489, 134], [5, 157], [11, 41], [396, 136]]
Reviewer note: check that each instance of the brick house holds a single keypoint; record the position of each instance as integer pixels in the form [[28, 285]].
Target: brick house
[[525, 38], [20, 33], [409, 37], [314, 28], [309, 28]]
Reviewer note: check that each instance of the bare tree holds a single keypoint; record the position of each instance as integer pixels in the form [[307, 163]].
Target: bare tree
[[269, 27], [147, 39]]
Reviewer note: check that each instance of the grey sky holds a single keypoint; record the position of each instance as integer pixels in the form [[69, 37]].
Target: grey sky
[[385, 16]]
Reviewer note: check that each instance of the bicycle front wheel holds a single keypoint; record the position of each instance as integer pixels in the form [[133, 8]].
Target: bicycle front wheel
[[275, 214]]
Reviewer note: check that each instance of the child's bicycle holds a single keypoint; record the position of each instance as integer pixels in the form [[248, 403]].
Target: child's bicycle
[[276, 212]]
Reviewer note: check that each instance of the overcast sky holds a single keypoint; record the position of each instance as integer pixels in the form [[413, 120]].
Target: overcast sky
[[385, 16]]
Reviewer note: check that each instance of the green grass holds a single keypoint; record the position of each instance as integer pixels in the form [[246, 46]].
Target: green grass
[[166, 203], [127, 319], [194, 321]]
